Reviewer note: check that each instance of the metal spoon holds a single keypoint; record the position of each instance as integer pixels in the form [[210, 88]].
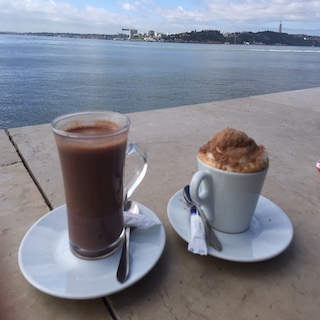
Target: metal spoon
[[124, 264], [211, 236]]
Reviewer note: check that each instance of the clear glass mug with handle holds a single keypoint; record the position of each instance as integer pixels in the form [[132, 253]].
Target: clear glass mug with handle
[[93, 147]]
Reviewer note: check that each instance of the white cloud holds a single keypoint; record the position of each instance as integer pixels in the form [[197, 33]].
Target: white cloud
[[217, 14], [180, 14], [246, 10], [129, 6], [166, 16]]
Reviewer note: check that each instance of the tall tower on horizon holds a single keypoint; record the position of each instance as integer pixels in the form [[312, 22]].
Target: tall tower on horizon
[[280, 27]]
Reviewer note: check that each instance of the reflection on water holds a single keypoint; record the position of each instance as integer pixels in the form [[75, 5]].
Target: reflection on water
[[42, 77]]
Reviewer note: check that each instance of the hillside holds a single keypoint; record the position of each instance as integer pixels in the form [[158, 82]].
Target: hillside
[[262, 38]]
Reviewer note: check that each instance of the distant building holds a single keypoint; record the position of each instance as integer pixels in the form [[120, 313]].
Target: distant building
[[133, 32], [151, 33], [280, 27]]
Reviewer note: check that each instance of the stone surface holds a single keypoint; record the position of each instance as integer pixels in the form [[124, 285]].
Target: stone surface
[[21, 206], [186, 286]]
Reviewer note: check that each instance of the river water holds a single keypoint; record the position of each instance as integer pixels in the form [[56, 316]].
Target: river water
[[42, 77]]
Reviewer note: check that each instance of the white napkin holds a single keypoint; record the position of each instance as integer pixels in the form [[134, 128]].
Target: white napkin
[[197, 244], [138, 220]]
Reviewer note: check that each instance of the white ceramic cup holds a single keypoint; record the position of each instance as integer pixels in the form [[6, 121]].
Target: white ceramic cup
[[228, 199]]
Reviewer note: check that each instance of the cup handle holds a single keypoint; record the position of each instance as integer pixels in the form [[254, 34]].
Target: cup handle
[[201, 190], [140, 170]]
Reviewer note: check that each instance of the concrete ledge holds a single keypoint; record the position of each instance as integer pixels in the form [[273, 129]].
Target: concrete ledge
[[21, 206], [183, 285]]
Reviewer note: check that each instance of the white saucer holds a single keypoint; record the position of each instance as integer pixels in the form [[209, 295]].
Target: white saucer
[[47, 263], [269, 234]]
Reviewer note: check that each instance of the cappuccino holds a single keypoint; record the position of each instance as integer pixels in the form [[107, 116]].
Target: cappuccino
[[232, 150]]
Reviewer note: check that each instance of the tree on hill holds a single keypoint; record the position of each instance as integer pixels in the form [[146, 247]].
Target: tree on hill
[[263, 37], [204, 36]]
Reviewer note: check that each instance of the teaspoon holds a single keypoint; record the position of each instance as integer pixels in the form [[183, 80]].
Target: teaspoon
[[124, 264], [211, 236]]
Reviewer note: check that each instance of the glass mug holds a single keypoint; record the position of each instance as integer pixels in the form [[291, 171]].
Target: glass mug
[[93, 147]]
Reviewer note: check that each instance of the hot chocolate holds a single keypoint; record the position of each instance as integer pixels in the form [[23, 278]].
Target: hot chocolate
[[93, 180], [232, 150]]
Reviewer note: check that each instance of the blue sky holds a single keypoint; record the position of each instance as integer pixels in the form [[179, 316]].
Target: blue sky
[[167, 16]]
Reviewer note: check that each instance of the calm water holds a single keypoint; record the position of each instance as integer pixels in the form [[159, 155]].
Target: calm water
[[42, 77]]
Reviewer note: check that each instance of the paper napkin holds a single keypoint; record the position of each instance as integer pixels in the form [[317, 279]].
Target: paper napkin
[[197, 243], [138, 220]]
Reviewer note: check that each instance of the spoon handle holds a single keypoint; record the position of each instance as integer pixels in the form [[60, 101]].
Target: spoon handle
[[209, 232], [123, 268]]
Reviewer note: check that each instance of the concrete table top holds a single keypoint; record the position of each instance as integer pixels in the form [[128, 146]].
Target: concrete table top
[[181, 285]]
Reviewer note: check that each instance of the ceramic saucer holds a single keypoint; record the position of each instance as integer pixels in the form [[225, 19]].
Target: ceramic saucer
[[269, 234], [47, 263]]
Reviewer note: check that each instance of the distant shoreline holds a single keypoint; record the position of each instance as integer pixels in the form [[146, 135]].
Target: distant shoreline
[[204, 36]]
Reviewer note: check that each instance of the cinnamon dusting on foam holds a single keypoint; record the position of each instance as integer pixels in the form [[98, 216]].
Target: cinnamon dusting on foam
[[233, 150]]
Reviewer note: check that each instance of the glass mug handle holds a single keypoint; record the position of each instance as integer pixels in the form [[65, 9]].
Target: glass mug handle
[[140, 170], [201, 190]]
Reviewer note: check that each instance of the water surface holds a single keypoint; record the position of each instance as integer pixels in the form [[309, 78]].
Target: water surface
[[42, 77]]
